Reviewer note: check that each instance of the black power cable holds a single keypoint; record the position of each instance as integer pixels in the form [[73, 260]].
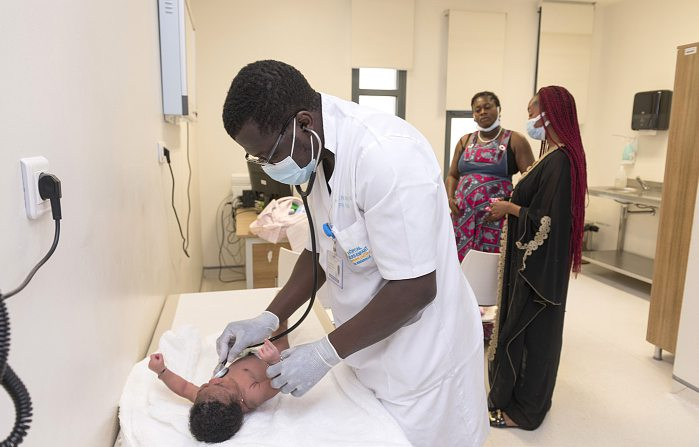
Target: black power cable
[[13, 384], [226, 239], [49, 188], [189, 187], [185, 241], [304, 196]]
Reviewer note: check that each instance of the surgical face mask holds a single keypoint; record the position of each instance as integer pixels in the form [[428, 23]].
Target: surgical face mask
[[288, 171], [538, 133], [495, 124]]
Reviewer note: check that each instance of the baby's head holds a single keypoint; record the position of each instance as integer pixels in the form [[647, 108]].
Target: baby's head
[[217, 413], [215, 420]]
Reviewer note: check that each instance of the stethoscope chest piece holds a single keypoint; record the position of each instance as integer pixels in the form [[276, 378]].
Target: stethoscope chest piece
[[221, 373]]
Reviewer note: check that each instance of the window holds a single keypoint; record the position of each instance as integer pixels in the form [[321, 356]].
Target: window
[[459, 123], [380, 88]]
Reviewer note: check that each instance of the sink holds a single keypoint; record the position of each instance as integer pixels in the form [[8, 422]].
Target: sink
[[628, 194], [624, 189]]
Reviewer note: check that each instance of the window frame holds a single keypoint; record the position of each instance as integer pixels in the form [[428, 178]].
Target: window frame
[[451, 114], [399, 93]]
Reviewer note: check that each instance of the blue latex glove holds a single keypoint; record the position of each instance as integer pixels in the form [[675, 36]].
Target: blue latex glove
[[238, 335], [303, 366]]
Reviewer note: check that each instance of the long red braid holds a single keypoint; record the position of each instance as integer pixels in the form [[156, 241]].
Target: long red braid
[[559, 106]]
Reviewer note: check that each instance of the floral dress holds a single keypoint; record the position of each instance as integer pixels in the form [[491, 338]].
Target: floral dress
[[485, 172]]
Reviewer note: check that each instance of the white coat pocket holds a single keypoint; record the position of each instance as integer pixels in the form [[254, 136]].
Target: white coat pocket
[[354, 242]]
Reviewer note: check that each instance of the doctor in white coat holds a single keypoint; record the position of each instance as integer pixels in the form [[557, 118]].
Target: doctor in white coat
[[407, 321]]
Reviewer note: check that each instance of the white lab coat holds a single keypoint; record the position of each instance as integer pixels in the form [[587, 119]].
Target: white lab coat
[[390, 216]]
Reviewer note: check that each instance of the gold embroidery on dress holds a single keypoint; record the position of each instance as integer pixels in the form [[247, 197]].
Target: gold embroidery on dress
[[490, 354], [538, 160], [537, 242], [530, 247], [492, 346]]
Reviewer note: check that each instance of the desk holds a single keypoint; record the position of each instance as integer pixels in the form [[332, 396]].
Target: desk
[[261, 257]]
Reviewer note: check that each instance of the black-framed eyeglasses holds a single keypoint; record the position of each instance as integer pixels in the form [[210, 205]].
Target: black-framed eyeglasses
[[267, 160]]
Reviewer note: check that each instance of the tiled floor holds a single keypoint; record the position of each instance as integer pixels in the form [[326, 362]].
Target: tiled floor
[[610, 391]]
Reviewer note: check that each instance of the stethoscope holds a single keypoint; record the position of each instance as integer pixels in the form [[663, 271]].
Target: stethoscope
[[304, 197]]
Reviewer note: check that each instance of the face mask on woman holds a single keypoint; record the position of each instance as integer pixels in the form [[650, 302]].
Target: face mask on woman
[[288, 171], [493, 126], [538, 133]]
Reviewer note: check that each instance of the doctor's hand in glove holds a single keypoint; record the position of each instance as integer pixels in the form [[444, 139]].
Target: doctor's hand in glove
[[238, 335], [303, 366]]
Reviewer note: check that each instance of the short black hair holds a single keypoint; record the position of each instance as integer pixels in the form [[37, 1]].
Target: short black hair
[[215, 421], [486, 94], [267, 92]]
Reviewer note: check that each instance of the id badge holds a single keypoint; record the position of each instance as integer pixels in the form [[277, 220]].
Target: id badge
[[334, 268]]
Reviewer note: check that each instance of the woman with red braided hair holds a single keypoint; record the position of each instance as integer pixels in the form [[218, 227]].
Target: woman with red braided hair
[[540, 245]]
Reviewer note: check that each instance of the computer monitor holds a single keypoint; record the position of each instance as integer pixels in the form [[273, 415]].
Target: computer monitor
[[264, 187]]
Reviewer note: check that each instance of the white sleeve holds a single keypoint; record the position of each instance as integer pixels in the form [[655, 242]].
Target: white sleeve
[[398, 186]]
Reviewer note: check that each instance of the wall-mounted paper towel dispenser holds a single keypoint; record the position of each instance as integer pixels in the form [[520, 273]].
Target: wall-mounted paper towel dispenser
[[651, 110]]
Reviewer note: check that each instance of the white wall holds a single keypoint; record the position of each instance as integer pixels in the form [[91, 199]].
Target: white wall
[[627, 58], [81, 86], [635, 51], [314, 36], [686, 367]]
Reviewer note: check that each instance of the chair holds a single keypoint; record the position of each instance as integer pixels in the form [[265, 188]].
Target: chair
[[481, 271], [287, 261]]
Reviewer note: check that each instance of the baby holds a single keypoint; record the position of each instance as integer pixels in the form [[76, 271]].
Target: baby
[[219, 404]]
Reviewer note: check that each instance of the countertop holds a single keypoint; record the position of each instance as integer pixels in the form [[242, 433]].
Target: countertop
[[631, 194]]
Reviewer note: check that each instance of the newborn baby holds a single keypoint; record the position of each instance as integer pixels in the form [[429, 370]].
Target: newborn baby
[[219, 404]]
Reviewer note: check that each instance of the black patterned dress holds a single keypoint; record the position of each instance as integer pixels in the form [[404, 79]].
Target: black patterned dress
[[535, 268]]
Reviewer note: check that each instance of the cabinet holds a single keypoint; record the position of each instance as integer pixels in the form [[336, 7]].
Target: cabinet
[[678, 199], [261, 257]]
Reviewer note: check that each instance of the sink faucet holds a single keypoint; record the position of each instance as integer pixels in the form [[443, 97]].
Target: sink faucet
[[642, 183]]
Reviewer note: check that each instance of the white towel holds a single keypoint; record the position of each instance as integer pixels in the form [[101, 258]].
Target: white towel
[[338, 411]]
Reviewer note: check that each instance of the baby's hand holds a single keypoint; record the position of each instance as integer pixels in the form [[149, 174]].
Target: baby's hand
[[156, 363], [269, 353]]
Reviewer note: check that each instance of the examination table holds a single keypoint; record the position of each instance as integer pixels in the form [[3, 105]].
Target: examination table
[[338, 411]]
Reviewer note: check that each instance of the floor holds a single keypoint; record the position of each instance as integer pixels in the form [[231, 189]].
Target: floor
[[610, 391], [215, 280]]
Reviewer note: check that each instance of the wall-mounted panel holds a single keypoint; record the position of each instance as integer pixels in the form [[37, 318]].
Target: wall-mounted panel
[[565, 49], [475, 60], [382, 33]]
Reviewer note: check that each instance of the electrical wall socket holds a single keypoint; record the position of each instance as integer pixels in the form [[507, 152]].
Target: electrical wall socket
[[32, 167], [161, 152]]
